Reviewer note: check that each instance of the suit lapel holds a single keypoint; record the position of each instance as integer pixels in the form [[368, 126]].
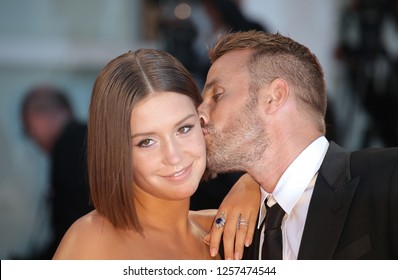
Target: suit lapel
[[329, 205]]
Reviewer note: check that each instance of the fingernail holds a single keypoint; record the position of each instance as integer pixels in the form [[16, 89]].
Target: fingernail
[[213, 252], [228, 259], [237, 256], [247, 243]]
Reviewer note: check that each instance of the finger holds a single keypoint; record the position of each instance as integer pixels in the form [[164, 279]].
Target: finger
[[229, 237], [216, 234], [250, 230], [241, 231], [206, 239]]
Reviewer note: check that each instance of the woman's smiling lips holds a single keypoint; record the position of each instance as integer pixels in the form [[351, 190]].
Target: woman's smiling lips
[[180, 175]]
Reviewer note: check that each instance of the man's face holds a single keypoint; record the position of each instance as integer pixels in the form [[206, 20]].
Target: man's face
[[232, 126]]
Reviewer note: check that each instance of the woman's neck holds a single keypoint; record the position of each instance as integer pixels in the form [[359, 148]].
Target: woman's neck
[[167, 230], [165, 215]]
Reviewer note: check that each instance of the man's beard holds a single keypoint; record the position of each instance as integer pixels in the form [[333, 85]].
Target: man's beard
[[238, 147]]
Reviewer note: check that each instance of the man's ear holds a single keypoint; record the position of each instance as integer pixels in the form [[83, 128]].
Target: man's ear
[[275, 95]]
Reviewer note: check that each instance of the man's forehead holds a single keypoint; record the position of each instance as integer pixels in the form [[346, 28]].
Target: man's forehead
[[236, 60], [231, 63], [235, 56]]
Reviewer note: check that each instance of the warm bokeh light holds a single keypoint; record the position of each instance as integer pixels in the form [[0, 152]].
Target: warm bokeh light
[[182, 11]]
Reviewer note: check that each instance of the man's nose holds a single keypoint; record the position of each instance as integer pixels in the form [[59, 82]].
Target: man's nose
[[202, 122], [203, 114]]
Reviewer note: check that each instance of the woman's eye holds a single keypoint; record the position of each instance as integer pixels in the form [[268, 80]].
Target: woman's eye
[[185, 129], [145, 143]]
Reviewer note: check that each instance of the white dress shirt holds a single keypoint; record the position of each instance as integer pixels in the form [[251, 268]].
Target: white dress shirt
[[293, 193]]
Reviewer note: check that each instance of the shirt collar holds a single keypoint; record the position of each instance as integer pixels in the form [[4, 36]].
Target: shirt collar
[[297, 176]]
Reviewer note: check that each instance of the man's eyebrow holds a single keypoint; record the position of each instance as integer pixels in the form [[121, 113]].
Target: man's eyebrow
[[176, 125], [209, 85]]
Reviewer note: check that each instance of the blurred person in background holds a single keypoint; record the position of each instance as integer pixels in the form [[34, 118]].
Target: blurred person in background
[[368, 48], [48, 120]]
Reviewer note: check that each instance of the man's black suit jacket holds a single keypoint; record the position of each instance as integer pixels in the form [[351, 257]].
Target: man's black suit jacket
[[353, 212]]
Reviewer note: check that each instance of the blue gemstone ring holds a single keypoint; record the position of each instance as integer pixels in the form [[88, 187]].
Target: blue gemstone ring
[[220, 222]]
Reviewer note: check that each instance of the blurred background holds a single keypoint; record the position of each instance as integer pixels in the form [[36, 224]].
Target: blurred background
[[66, 43]]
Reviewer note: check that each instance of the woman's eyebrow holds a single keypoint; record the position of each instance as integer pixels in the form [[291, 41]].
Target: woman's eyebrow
[[152, 132]]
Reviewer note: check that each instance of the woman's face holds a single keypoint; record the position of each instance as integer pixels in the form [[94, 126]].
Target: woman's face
[[169, 152]]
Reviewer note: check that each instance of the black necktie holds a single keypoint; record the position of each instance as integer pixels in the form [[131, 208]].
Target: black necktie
[[272, 246]]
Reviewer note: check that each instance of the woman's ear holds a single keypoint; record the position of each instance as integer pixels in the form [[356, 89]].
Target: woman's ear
[[275, 95]]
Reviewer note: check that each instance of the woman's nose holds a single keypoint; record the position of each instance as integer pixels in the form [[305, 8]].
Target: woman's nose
[[173, 153]]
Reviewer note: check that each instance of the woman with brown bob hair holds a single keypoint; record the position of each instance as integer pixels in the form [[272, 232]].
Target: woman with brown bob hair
[[146, 157]]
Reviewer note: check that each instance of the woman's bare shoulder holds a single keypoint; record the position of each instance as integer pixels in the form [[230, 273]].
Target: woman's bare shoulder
[[86, 238], [203, 218]]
